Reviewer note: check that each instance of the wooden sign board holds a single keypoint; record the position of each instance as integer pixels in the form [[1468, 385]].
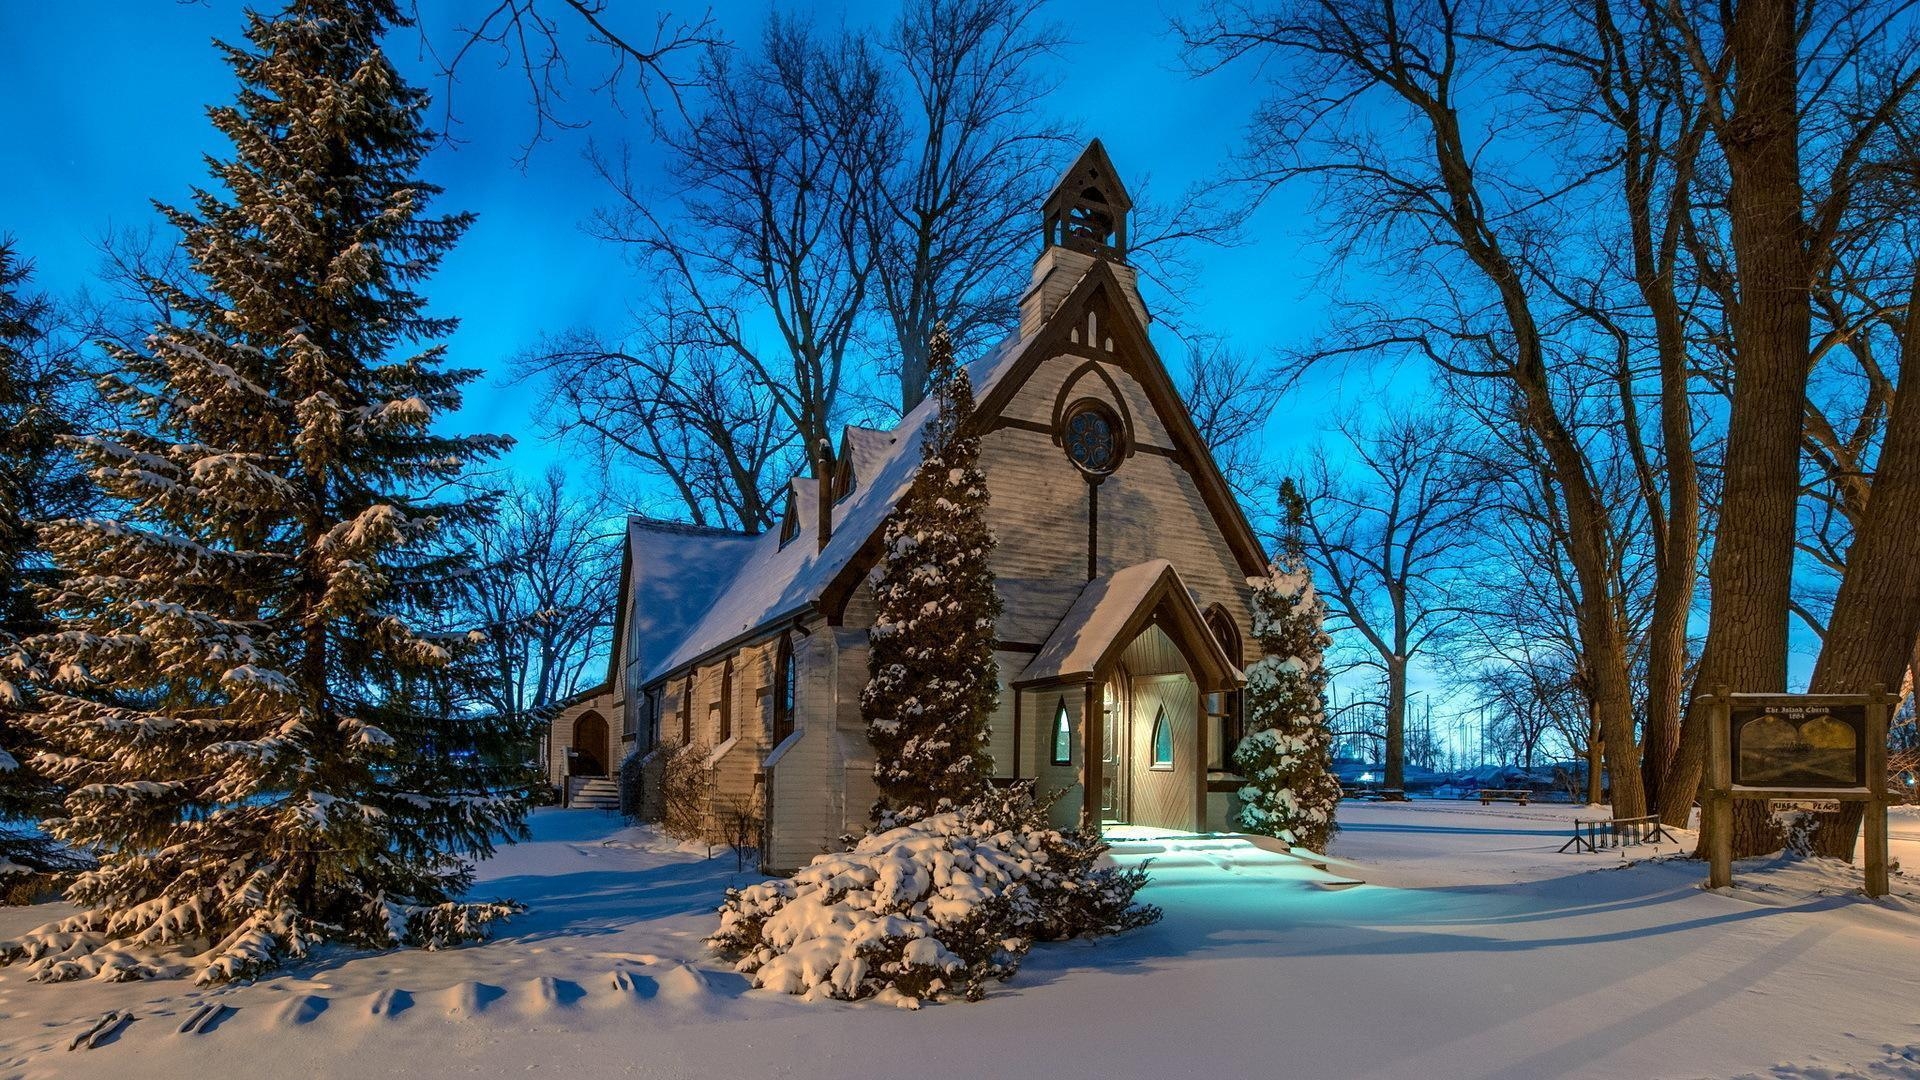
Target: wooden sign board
[[1804, 753]]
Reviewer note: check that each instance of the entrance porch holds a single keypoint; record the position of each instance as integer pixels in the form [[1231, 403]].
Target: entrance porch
[[1119, 689]]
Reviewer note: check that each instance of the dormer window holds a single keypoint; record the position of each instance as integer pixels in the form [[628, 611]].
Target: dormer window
[[789, 523], [843, 478]]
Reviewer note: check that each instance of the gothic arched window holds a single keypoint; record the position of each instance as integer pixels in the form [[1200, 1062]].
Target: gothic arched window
[[1223, 707], [784, 685], [1062, 735], [1162, 741]]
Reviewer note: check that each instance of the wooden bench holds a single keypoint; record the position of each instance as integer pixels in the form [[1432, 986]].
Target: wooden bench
[[1488, 796], [1372, 794]]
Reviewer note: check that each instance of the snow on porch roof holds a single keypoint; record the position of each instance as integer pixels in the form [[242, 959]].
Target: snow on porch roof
[[772, 581], [1103, 611]]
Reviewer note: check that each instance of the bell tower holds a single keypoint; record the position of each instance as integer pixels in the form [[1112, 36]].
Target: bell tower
[[1083, 221], [1087, 211]]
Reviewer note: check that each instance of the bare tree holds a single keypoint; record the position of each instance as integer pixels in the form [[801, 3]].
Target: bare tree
[[765, 268], [1412, 179], [1387, 534], [541, 590], [951, 215], [1631, 107], [694, 420], [534, 38], [1230, 399], [1534, 708], [831, 203]]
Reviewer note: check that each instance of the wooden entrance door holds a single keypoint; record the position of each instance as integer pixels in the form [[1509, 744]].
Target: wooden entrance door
[[590, 745], [1161, 774]]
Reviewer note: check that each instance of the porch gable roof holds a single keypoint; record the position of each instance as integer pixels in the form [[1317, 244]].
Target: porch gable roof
[[1112, 610]]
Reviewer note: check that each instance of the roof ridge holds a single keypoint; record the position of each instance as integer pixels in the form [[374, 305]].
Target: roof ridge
[[687, 528]]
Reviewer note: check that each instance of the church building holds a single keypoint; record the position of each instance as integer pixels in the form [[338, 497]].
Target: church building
[[1122, 560]]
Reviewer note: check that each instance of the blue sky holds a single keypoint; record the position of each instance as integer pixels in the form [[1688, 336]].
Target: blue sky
[[113, 95], [117, 92]]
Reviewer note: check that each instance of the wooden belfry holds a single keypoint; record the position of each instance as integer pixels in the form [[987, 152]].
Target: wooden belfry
[[1087, 212]]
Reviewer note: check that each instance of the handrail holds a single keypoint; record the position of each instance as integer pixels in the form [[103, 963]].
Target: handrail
[[1601, 833]]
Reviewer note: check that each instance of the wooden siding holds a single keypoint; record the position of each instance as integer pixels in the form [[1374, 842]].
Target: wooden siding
[[1153, 653], [1037, 710], [736, 760], [854, 791], [861, 609], [801, 814], [1149, 508], [1000, 734], [1054, 278]]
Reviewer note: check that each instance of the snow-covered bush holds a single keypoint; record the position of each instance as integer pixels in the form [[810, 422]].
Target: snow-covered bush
[[934, 907], [633, 787], [1287, 754]]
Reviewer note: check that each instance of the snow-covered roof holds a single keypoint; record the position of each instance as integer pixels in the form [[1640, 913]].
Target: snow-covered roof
[[763, 581], [1101, 615], [676, 571]]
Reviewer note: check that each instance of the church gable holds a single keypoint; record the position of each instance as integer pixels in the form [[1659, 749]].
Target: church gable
[[1093, 350]]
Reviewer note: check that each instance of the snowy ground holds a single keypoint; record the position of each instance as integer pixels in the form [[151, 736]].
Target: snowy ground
[[1472, 950]]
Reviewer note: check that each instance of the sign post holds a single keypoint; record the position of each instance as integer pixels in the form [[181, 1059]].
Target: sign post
[[1801, 752]]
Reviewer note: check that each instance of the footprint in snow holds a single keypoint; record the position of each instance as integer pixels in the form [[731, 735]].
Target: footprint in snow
[[471, 998], [546, 993], [389, 1003], [631, 988], [299, 1011]]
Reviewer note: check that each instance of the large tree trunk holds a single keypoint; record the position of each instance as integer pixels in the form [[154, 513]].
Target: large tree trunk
[[1876, 616], [1396, 755], [1602, 638], [1676, 552], [1596, 786], [1752, 567]]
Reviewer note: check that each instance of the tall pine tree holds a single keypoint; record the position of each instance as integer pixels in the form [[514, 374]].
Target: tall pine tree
[[1287, 754], [933, 683], [38, 478], [257, 723]]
